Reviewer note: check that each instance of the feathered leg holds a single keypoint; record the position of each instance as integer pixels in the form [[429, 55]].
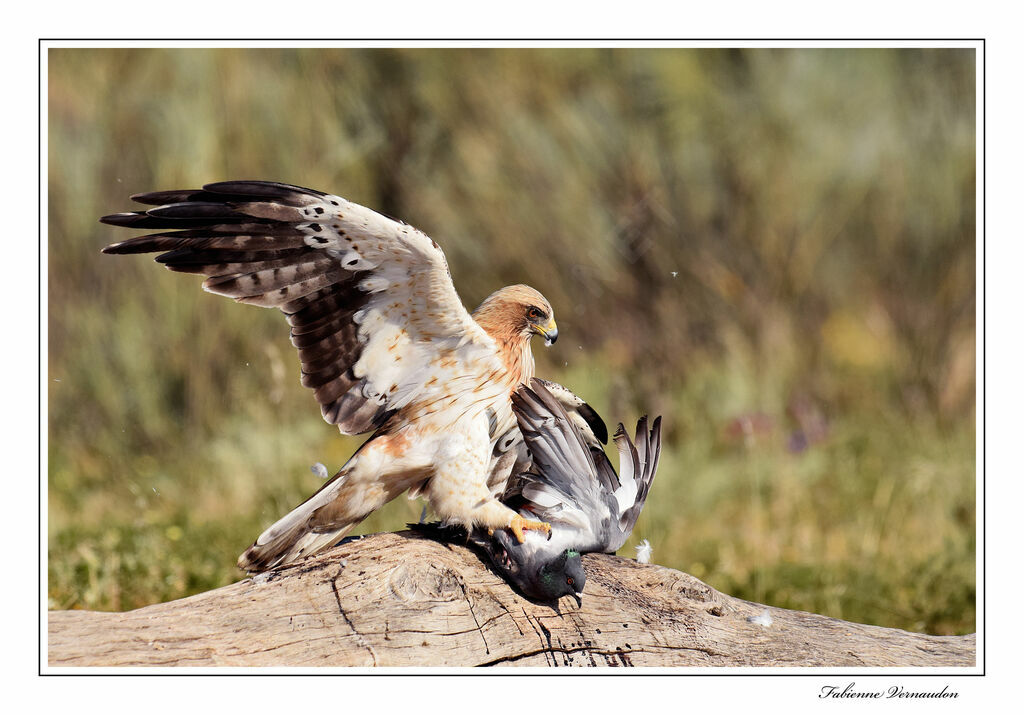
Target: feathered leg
[[459, 491]]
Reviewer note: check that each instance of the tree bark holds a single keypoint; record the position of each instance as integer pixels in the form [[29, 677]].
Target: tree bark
[[402, 600]]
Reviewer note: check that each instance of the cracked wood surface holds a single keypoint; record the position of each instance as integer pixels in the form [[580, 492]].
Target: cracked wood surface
[[402, 600]]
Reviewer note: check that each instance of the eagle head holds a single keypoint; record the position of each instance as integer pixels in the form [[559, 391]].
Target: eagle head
[[516, 313]]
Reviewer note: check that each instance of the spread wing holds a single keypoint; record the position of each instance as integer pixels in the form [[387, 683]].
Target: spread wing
[[571, 483], [370, 300], [591, 427], [511, 457]]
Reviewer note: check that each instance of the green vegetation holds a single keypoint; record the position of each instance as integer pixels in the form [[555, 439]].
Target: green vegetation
[[774, 249]]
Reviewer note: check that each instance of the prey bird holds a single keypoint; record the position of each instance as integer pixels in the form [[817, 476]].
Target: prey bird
[[383, 339], [570, 483]]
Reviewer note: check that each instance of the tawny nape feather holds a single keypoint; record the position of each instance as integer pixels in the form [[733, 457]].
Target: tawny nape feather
[[502, 315]]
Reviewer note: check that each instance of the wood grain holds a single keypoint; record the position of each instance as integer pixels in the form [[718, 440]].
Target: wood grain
[[401, 600]]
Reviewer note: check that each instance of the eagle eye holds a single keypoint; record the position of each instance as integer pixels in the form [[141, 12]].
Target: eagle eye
[[534, 313]]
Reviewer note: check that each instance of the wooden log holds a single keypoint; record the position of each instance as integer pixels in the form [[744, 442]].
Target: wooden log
[[402, 600]]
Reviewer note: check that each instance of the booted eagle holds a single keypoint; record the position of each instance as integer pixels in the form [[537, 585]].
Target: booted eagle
[[384, 342]]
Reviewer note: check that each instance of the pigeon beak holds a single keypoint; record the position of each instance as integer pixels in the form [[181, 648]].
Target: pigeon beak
[[579, 599]]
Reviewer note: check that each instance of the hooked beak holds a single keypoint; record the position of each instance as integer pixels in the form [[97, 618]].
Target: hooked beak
[[549, 331]]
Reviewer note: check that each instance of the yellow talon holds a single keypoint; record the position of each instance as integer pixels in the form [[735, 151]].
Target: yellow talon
[[519, 525]]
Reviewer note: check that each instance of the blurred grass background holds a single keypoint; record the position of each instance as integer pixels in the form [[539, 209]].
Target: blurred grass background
[[774, 249]]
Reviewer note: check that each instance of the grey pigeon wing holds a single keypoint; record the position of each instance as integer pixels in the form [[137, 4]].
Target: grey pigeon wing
[[562, 486], [605, 473], [572, 483], [584, 416], [510, 457], [561, 457]]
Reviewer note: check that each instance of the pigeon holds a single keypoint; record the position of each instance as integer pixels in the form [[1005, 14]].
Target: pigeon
[[571, 484]]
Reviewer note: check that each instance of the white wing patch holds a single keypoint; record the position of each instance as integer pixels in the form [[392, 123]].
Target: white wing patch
[[543, 496], [418, 339], [625, 495]]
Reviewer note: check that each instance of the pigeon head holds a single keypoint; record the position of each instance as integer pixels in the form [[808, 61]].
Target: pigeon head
[[563, 576], [539, 573]]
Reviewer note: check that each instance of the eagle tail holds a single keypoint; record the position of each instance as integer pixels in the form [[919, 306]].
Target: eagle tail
[[296, 534], [285, 547]]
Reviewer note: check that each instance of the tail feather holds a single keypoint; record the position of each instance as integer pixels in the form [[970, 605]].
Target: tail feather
[[645, 457], [297, 534], [287, 547]]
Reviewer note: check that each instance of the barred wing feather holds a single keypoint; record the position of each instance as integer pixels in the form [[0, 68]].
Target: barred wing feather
[[372, 308]]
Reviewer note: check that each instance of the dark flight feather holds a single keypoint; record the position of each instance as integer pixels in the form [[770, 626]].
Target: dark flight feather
[[244, 237]]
